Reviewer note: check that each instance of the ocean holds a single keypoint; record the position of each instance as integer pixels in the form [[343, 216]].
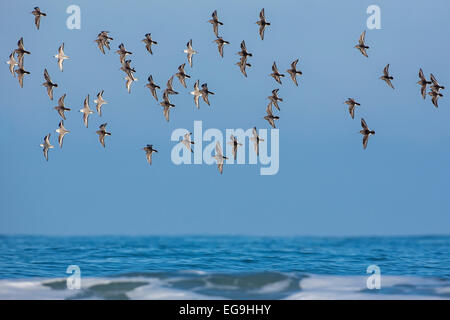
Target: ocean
[[224, 267]]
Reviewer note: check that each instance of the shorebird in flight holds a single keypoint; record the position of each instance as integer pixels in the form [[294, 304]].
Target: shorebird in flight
[[46, 145], [166, 105], [435, 87], [187, 141], [126, 67], [351, 106], [37, 13], [366, 132], [129, 81], [294, 72], [86, 111], [122, 52], [61, 56], [235, 144], [62, 132], [256, 140], [386, 77], [20, 51], [205, 92], [152, 86], [215, 22], [100, 102], [196, 93], [182, 75], [274, 98], [435, 95], [102, 133], [275, 74], [12, 63], [148, 42], [423, 83], [361, 46], [262, 22], [21, 72], [243, 64], [219, 157], [190, 51], [244, 52], [49, 84], [148, 152], [61, 107], [169, 87], [270, 117], [103, 41], [220, 43]]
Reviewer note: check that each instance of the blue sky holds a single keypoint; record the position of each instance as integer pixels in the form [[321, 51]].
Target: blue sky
[[327, 184]]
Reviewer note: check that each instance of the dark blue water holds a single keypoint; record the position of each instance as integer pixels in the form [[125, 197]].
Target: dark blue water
[[48, 257]]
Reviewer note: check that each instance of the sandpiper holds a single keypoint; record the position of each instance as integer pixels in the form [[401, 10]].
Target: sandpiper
[[102, 133], [61, 56]]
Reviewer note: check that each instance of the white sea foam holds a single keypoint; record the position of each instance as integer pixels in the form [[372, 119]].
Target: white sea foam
[[153, 287], [354, 287]]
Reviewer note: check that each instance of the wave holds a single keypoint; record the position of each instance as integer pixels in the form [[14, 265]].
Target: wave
[[202, 285]]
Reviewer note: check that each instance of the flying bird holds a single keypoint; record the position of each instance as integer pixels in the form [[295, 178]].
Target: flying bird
[[423, 83], [86, 111], [166, 105], [274, 98], [294, 72], [20, 51], [275, 74], [152, 86], [235, 144], [256, 140], [182, 75], [12, 63], [243, 64], [129, 81], [366, 132], [219, 157], [169, 87], [435, 95], [386, 77], [215, 22], [21, 72], [270, 117], [361, 46], [103, 41], [435, 87], [148, 152], [61, 107], [187, 141], [149, 42], [100, 102], [62, 132], [46, 145], [102, 133], [126, 67], [262, 22], [122, 52], [196, 93], [244, 52], [37, 16], [49, 84], [190, 51], [351, 106], [220, 43], [61, 56], [205, 92]]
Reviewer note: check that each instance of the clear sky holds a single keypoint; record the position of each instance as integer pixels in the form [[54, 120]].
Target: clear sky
[[327, 184]]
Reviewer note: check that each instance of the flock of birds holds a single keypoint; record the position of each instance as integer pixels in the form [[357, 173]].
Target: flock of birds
[[16, 66]]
